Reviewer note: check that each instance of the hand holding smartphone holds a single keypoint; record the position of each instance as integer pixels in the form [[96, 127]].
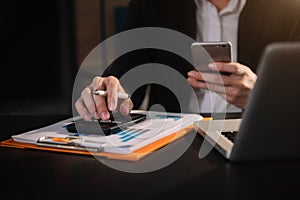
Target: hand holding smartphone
[[204, 53]]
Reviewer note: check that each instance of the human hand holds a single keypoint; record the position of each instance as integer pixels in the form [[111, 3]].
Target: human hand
[[89, 105], [234, 88]]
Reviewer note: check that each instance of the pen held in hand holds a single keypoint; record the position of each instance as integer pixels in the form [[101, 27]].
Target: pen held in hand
[[104, 94]]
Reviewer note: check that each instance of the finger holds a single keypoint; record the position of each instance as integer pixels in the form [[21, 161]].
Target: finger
[[233, 68], [193, 82], [100, 101], [195, 75], [81, 109], [126, 107], [207, 86], [101, 107], [197, 84], [88, 101], [112, 88], [201, 76], [211, 78]]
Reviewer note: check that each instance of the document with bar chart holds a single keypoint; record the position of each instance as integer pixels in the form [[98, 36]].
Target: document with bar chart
[[156, 126]]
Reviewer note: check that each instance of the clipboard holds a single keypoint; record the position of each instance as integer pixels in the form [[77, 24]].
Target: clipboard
[[135, 156]]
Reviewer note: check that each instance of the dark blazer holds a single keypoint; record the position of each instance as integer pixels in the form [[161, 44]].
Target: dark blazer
[[261, 22]]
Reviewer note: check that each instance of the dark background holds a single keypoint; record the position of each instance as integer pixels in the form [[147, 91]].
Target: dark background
[[42, 46], [38, 61]]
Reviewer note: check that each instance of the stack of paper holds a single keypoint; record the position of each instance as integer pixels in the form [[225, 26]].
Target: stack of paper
[[157, 125]]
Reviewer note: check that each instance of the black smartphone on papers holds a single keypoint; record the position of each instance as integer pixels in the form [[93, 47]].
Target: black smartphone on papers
[[116, 123], [204, 53]]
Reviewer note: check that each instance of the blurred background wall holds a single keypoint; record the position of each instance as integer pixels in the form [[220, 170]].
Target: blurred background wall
[[43, 44]]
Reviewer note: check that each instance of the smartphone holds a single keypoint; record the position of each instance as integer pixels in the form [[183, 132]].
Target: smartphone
[[117, 122], [204, 53]]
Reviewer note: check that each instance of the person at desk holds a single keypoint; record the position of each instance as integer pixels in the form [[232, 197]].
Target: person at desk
[[248, 25]]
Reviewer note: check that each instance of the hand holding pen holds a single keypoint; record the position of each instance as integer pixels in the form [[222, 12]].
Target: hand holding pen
[[100, 97]]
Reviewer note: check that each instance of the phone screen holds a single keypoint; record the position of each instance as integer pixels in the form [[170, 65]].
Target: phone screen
[[219, 53], [208, 52]]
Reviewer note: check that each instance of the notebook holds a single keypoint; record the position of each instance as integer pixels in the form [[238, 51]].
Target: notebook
[[269, 129]]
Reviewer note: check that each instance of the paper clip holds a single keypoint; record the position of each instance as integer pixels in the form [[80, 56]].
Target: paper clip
[[71, 142]]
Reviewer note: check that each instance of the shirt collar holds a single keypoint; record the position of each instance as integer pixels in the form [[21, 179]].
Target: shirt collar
[[234, 6], [230, 8]]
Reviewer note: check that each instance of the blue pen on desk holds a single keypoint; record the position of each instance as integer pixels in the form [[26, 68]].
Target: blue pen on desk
[[104, 94]]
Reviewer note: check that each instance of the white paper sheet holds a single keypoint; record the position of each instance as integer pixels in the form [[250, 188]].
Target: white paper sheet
[[156, 126]]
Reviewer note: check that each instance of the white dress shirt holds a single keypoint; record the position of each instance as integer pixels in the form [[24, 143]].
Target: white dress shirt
[[217, 26]]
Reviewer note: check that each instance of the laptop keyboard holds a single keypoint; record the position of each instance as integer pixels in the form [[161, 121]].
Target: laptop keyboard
[[230, 135]]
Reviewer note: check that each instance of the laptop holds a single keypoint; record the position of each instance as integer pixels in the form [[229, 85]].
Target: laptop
[[269, 129]]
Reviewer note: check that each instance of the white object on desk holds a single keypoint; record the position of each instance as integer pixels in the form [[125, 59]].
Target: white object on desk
[[104, 94], [156, 126]]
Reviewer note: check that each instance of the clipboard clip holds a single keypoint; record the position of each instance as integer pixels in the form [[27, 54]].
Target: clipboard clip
[[71, 143]]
